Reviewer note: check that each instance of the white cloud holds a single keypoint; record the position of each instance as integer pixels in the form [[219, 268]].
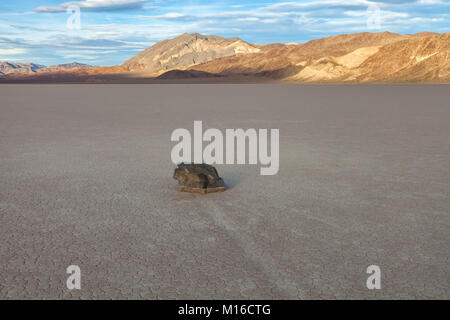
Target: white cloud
[[270, 20], [356, 13], [95, 5], [12, 51], [80, 56], [170, 15], [11, 54], [321, 4], [430, 2], [248, 19]]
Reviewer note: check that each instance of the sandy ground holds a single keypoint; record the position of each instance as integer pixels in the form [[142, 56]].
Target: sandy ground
[[86, 179]]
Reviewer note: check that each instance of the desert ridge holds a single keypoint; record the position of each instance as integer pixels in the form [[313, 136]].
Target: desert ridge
[[382, 57]]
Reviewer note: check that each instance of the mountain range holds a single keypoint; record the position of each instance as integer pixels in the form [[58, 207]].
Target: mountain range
[[28, 67], [348, 58]]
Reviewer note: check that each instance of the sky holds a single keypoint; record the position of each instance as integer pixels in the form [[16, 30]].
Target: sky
[[108, 32]]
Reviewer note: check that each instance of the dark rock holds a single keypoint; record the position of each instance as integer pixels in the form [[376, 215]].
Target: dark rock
[[201, 178]]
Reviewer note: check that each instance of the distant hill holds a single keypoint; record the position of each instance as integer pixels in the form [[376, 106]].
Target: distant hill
[[9, 67], [29, 68], [66, 66]]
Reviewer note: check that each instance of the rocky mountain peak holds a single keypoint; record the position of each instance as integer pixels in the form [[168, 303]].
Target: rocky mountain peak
[[186, 50]]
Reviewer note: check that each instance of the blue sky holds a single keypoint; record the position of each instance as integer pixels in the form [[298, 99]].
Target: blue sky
[[112, 31]]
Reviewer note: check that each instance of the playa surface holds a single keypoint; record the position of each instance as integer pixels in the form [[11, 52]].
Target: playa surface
[[86, 179]]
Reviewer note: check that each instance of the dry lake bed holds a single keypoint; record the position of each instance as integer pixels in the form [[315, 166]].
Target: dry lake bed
[[86, 179]]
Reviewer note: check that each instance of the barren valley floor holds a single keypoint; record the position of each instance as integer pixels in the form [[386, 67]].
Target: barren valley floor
[[86, 179]]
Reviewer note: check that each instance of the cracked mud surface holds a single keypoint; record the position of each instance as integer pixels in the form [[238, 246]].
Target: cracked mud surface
[[86, 179]]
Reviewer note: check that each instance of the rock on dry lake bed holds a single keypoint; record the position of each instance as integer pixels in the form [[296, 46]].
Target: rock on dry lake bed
[[201, 178]]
